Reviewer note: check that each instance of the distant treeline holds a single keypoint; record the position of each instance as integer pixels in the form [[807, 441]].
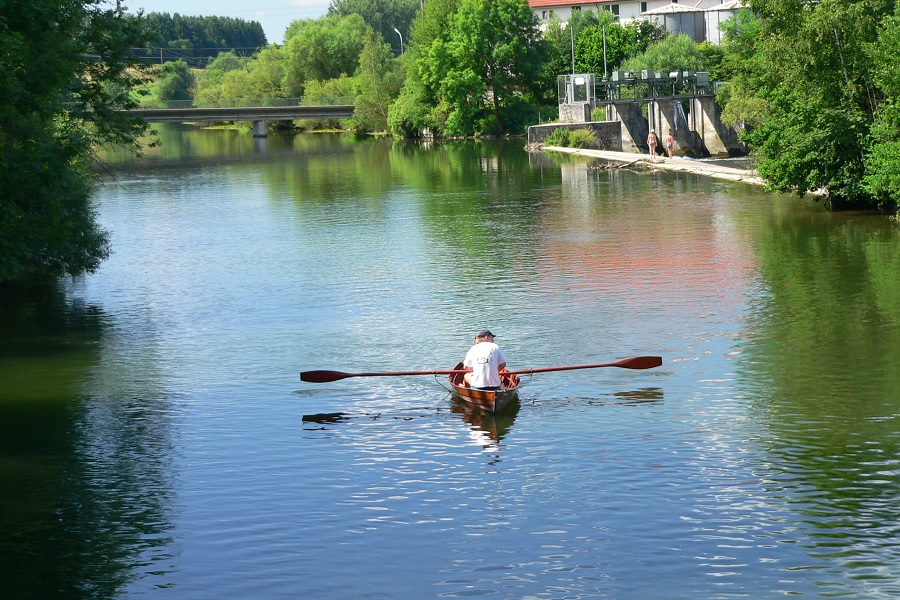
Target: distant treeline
[[196, 40]]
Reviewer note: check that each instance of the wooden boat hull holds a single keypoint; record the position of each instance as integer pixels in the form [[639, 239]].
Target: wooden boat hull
[[489, 400]]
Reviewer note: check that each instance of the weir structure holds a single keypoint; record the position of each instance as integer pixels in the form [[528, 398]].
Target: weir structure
[[681, 102]]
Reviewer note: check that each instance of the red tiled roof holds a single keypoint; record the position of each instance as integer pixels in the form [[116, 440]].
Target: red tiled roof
[[539, 3]]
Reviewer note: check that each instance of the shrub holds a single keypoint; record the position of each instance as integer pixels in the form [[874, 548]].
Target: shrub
[[576, 138], [582, 138], [558, 137]]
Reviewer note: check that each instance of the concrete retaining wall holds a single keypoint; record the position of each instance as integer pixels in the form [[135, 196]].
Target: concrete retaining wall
[[608, 133], [579, 112]]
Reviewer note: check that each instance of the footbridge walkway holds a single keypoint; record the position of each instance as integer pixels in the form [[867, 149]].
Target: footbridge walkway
[[258, 115]]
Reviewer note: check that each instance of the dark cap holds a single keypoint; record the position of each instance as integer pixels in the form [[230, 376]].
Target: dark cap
[[484, 333]]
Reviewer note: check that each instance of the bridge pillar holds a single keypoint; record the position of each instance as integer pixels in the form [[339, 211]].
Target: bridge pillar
[[260, 129], [634, 126], [714, 137], [672, 117]]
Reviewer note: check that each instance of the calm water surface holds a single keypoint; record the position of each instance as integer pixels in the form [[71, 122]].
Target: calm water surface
[[155, 439]]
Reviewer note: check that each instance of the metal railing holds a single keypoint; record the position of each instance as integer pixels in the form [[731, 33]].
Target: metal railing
[[248, 103]]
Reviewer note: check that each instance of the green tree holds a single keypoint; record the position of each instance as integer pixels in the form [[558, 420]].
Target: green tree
[[557, 59], [266, 73], [882, 179], [814, 75], [674, 53], [587, 30], [592, 55], [743, 67], [383, 16], [493, 45], [210, 81], [622, 42], [65, 77], [176, 81], [379, 80], [418, 106], [196, 38], [235, 88], [322, 49]]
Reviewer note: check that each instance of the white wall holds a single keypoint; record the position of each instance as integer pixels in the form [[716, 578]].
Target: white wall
[[628, 9]]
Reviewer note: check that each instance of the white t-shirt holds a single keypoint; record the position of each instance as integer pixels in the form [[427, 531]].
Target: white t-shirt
[[485, 359]]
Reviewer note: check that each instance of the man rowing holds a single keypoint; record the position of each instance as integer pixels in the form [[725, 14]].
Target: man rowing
[[486, 360]]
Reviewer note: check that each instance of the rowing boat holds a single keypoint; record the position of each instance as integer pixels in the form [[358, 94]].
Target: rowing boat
[[489, 400]]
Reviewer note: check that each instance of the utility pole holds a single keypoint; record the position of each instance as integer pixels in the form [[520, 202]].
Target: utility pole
[[572, 32], [401, 39], [604, 52]]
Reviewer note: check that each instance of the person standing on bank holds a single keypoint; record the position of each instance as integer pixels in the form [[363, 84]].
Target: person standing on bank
[[486, 360], [652, 141], [670, 143]]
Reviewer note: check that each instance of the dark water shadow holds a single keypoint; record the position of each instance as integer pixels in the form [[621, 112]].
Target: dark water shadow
[[627, 398], [85, 458]]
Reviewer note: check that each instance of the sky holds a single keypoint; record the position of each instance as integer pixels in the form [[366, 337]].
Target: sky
[[273, 15]]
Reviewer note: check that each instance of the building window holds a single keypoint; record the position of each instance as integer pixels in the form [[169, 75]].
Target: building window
[[576, 9], [543, 15], [614, 9], [643, 7]]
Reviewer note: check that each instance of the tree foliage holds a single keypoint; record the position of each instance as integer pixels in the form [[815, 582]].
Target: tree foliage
[[492, 45], [584, 35], [176, 81], [65, 75], [673, 53], [211, 81], [383, 16], [322, 49], [417, 107], [882, 179], [234, 81], [379, 79], [804, 80], [621, 41], [197, 39]]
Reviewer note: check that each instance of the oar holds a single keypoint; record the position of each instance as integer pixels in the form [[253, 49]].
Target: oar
[[326, 376], [635, 362]]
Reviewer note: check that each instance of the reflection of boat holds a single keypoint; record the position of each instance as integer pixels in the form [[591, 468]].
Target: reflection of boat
[[489, 400], [494, 425]]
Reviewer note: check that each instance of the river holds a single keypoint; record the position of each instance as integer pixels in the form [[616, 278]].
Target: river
[[156, 440]]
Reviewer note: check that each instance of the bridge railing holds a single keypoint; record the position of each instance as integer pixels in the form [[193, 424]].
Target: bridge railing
[[249, 102]]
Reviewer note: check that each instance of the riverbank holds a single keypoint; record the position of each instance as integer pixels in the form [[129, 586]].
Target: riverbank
[[686, 165]]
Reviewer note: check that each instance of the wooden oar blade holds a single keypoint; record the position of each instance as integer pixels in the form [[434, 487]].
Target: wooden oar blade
[[640, 362], [323, 376], [326, 376]]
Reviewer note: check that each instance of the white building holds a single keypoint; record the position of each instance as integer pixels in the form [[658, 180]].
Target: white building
[[716, 15], [699, 19]]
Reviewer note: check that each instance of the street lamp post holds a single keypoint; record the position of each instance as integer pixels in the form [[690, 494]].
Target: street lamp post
[[401, 39]]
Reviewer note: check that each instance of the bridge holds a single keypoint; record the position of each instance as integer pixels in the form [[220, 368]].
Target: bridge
[[257, 114]]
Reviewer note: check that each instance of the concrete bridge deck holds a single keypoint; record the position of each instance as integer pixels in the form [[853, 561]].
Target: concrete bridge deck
[[259, 115]]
